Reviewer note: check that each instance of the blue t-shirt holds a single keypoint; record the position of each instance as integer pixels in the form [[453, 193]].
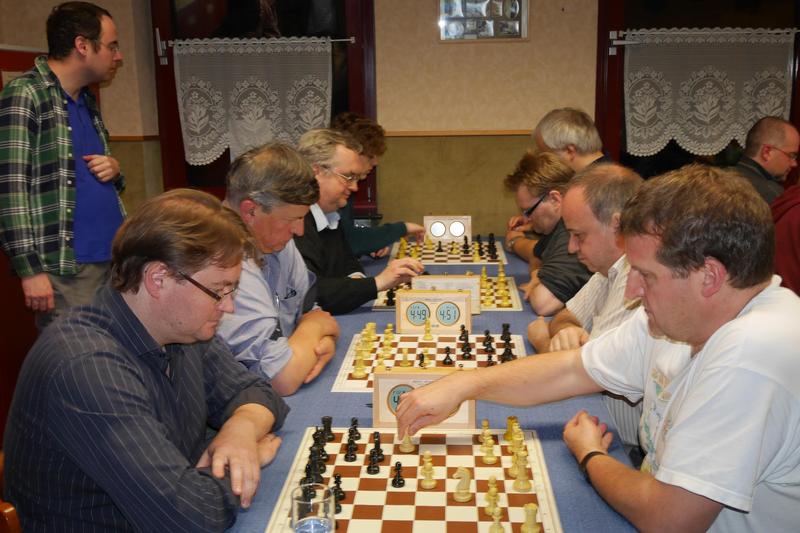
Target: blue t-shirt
[[97, 214]]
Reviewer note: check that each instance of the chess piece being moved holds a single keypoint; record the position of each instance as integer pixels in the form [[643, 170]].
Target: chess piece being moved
[[406, 446], [462, 493]]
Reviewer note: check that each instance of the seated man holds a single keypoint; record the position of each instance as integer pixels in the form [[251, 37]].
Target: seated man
[[592, 209], [275, 329], [539, 181], [770, 153], [712, 351], [341, 283], [372, 240], [572, 135], [107, 430]]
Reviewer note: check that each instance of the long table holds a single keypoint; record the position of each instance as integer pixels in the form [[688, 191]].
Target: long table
[[579, 506]]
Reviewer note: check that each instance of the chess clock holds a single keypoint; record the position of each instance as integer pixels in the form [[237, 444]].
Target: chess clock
[[392, 382], [452, 282], [445, 311], [447, 228]]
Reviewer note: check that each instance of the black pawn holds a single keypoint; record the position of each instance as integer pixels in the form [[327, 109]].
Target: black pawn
[[354, 428], [507, 354], [337, 487], [466, 351], [376, 437], [326, 428], [489, 360], [421, 359], [487, 337], [398, 480], [439, 247], [390, 297], [491, 238], [447, 359], [372, 467], [350, 456]]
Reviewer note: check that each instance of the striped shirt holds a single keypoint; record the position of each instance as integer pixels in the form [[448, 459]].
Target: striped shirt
[[37, 172], [601, 306], [105, 427]]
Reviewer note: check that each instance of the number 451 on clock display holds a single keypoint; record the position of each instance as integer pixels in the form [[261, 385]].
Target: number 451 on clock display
[[446, 311]]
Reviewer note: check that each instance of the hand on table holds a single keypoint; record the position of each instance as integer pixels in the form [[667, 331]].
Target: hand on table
[[38, 292], [104, 167], [569, 338], [584, 433], [325, 350], [268, 448]]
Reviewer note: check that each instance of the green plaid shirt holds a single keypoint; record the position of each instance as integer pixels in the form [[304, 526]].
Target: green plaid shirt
[[37, 173]]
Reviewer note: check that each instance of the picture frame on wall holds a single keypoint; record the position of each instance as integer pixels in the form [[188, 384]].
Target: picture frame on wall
[[483, 20]]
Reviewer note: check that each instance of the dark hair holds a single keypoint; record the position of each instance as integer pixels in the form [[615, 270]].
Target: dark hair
[[540, 172], [185, 229], [272, 174], [70, 20], [366, 131], [698, 212], [768, 130], [606, 188]]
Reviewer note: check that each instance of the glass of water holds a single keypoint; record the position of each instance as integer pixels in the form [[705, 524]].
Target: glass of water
[[313, 509]]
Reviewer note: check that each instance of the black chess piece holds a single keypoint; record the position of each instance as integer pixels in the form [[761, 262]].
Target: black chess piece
[[439, 248], [372, 467], [350, 456], [491, 238], [464, 335], [354, 428], [466, 351], [319, 442], [338, 493], [376, 438], [507, 354], [447, 359], [313, 456], [398, 480], [487, 337], [326, 428], [421, 359], [489, 360], [478, 238], [505, 336]]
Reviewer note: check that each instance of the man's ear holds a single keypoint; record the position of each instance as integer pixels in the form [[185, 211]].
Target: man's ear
[[555, 197], [715, 275], [571, 151], [82, 44], [247, 210], [614, 223], [155, 275]]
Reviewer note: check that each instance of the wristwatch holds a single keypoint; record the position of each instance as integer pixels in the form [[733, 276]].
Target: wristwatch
[[585, 461], [510, 242]]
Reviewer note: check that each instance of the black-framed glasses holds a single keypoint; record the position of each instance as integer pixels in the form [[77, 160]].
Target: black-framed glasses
[[790, 155], [348, 179], [528, 212], [217, 296]]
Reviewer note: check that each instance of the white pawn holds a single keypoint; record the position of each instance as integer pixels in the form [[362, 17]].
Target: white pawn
[[489, 458], [358, 368], [491, 500], [496, 526], [405, 361], [427, 336], [531, 525], [484, 429], [427, 471], [521, 483]]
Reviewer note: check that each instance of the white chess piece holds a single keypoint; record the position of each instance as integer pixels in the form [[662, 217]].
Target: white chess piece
[[462, 493], [496, 526], [531, 525]]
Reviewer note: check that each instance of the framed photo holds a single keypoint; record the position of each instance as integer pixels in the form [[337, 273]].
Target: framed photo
[[482, 20]]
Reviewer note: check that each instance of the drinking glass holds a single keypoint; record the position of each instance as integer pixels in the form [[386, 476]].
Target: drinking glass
[[313, 509]]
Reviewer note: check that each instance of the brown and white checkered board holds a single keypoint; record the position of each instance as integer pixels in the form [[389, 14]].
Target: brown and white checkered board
[[513, 295], [372, 504], [345, 382], [432, 257]]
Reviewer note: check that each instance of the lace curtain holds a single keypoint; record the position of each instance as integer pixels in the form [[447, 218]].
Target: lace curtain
[[703, 87], [241, 93]]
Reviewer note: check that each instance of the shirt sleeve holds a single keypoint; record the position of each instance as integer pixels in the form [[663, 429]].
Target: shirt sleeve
[[561, 272], [18, 126], [250, 331], [101, 414], [583, 304]]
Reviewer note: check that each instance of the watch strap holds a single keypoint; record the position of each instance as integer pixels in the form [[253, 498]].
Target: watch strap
[[585, 461]]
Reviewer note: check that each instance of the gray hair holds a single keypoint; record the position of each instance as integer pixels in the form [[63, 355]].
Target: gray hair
[[561, 127], [271, 175], [319, 146], [606, 188]]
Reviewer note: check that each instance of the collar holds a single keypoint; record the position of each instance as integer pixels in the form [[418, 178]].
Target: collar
[[125, 326], [752, 164], [324, 220], [618, 266]]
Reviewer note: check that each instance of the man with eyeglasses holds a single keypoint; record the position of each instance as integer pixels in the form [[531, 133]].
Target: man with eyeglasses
[[276, 330], [59, 203], [114, 400], [341, 283], [770, 153], [539, 183]]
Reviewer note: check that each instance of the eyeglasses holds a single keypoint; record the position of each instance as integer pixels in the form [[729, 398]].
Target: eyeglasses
[[347, 179], [790, 155], [217, 296], [113, 47], [528, 212]]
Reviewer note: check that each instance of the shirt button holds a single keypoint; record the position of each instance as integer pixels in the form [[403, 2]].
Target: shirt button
[[69, 210], [69, 182], [69, 128], [70, 154]]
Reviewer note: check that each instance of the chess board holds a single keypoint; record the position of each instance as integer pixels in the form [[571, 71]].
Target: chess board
[[429, 256], [372, 504], [345, 382], [487, 294]]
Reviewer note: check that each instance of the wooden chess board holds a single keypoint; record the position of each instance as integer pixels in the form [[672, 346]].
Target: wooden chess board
[[345, 382], [429, 255], [488, 294], [372, 504]]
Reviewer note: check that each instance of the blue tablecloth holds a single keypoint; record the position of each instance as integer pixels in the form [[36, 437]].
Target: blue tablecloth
[[579, 506]]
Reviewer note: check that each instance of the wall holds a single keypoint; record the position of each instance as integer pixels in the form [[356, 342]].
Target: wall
[[128, 103], [458, 114]]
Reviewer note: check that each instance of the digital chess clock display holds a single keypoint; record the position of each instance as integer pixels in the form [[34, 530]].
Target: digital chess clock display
[[417, 313], [448, 313], [393, 398]]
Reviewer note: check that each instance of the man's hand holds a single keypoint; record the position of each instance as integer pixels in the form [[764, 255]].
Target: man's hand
[[428, 405], [415, 230], [383, 252], [104, 167], [569, 338], [324, 320], [399, 271], [38, 292], [268, 448], [237, 448], [516, 225], [325, 350], [584, 433]]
